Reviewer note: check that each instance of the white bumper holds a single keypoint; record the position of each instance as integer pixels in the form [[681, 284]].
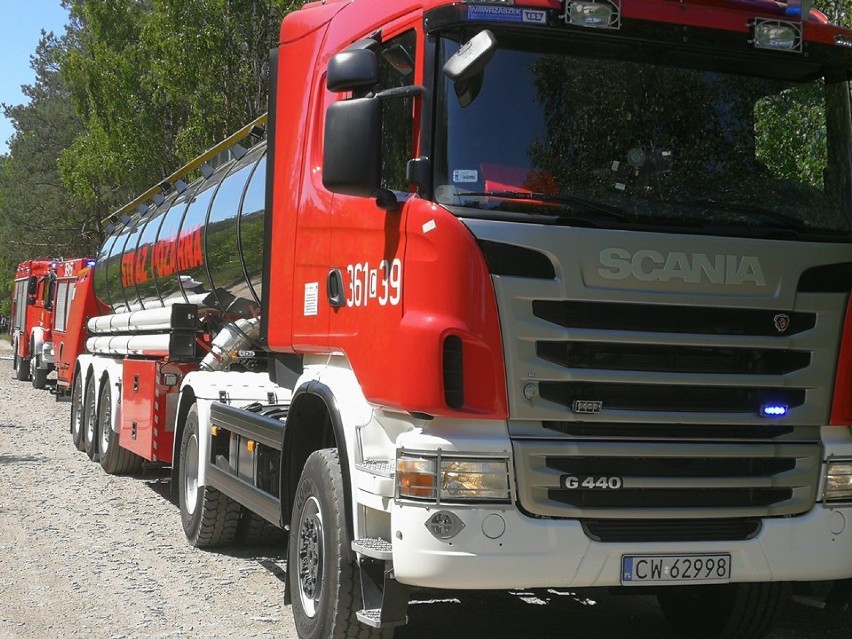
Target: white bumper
[[541, 553]]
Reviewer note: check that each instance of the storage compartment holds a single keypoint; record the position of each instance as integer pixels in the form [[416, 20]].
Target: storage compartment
[[149, 395]]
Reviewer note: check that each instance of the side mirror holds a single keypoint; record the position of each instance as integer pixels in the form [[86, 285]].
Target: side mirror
[[32, 289], [352, 69], [352, 147], [466, 68]]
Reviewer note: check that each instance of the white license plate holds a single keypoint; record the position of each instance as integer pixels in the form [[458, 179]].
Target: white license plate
[[637, 570]]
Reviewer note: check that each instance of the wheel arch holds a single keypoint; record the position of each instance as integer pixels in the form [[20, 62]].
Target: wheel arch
[[187, 399], [36, 340], [312, 403]]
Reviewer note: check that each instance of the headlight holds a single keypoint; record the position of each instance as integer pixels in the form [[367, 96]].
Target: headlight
[[838, 481], [457, 479]]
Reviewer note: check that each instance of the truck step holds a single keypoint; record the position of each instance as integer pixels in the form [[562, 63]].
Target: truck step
[[374, 547], [373, 618], [380, 467]]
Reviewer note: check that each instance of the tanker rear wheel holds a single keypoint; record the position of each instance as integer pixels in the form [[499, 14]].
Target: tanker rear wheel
[[90, 422], [114, 459], [77, 413], [209, 518]]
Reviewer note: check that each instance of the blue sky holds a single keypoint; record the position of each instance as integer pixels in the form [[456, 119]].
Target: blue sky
[[21, 22]]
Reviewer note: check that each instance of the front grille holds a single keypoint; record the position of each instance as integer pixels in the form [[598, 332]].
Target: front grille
[[672, 497], [661, 318], [637, 531], [670, 431], [678, 359], [664, 382], [671, 397], [665, 480], [666, 467]]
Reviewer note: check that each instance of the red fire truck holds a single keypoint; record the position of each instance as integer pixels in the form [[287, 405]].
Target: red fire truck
[[554, 293], [32, 318], [69, 333], [42, 297]]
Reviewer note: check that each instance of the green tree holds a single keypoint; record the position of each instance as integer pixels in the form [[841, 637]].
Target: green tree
[[37, 216], [159, 81]]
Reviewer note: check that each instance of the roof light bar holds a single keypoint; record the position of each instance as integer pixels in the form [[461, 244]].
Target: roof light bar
[[777, 35], [597, 14]]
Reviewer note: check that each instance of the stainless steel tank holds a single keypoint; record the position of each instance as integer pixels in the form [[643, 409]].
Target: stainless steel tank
[[202, 246]]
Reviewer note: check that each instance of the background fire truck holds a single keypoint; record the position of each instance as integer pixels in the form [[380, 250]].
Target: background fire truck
[[31, 320]]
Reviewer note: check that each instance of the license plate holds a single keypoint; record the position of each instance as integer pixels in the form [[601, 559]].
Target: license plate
[[637, 570]]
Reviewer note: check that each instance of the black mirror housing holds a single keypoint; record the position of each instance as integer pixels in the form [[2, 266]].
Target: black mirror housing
[[351, 70], [352, 147]]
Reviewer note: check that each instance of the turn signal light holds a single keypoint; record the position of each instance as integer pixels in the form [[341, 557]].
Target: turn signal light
[[416, 477]]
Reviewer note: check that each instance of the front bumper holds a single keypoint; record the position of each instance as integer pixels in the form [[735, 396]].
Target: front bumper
[[535, 553]]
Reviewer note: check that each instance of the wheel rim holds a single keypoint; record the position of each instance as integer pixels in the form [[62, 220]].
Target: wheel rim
[[310, 556], [190, 474], [106, 424], [33, 366], [76, 413], [90, 414]]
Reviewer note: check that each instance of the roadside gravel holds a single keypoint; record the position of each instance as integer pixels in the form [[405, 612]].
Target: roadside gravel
[[87, 555], [84, 554]]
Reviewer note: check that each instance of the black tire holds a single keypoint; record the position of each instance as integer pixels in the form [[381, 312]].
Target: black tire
[[210, 518], [77, 412], [321, 569], [728, 611], [37, 373], [90, 421], [254, 530], [114, 459], [22, 369]]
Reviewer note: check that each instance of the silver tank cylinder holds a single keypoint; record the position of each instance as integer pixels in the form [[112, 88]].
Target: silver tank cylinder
[[203, 245]]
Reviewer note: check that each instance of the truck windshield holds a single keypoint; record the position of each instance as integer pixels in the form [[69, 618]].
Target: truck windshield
[[579, 140]]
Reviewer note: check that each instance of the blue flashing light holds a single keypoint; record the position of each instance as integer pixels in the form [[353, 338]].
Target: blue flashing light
[[773, 410], [90, 263]]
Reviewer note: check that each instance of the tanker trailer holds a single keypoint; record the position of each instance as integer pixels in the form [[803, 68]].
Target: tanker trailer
[[180, 274]]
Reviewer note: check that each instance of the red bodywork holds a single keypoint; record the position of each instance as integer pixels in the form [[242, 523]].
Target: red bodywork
[[421, 275], [74, 304], [32, 291]]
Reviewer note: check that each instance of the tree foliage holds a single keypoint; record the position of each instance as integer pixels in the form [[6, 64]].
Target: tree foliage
[[157, 82], [131, 91]]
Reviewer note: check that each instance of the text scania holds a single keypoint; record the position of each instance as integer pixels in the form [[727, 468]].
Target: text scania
[[648, 265]]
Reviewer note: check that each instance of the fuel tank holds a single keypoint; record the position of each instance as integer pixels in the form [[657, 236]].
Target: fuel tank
[[202, 245]]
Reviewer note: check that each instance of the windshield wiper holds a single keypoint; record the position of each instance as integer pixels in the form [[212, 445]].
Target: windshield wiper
[[571, 200], [752, 212]]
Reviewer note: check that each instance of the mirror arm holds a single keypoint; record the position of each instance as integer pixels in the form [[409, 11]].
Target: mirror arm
[[409, 91], [387, 201]]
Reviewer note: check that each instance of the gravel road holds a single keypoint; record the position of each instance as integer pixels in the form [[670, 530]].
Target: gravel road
[[84, 554]]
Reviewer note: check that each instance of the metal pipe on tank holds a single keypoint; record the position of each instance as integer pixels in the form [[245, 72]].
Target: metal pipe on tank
[[227, 344], [149, 345]]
